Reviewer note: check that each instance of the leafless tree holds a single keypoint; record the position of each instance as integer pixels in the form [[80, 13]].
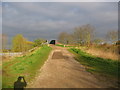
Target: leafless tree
[[4, 41], [112, 36], [63, 38], [84, 34]]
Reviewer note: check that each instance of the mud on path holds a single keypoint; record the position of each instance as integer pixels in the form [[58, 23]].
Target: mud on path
[[62, 71]]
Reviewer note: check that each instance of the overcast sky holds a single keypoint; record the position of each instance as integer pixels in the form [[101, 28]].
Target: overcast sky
[[47, 20]]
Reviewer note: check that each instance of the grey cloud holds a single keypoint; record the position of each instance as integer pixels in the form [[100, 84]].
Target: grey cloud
[[49, 19]]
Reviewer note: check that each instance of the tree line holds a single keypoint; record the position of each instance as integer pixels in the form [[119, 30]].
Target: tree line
[[86, 35], [20, 43]]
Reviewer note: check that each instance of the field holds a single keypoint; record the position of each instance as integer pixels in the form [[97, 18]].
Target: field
[[26, 66]]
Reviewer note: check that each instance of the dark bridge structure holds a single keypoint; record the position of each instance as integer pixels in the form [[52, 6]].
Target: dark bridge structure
[[53, 42]]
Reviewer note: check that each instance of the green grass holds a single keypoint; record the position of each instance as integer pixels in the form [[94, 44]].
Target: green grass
[[96, 64], [26, 66], [0, 76], [61, 45]]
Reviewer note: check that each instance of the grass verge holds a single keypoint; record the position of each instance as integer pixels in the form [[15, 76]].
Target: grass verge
[[98, 65], [26, 66], [61, 45]]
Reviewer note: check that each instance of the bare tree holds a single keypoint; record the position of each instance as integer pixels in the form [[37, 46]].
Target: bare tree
[[63, 38], [4, 41], [84, 34], [81, 35], [78, 35], [112, 36]]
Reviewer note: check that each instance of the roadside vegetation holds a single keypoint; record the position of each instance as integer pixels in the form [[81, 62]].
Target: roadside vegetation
[[26, 66], [98, 50], [85, 36], [19, 43], [32, 56], [61, 45], [105, 51], [106, 67]]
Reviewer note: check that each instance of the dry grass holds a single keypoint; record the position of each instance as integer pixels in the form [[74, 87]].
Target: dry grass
[[0, 60], [103, 54], [6, 58]]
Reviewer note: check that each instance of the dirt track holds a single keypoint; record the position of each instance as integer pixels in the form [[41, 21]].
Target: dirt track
[[62, 71]]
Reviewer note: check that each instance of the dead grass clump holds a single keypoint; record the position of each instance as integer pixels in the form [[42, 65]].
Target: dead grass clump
[[103, 54], [6, 58]]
